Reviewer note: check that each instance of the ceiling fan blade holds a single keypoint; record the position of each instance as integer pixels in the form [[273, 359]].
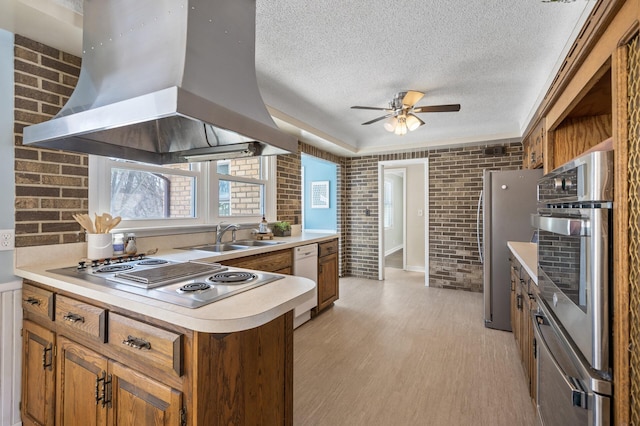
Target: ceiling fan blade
[[373, 108], [378, 119], [437, 108], [411, 98]]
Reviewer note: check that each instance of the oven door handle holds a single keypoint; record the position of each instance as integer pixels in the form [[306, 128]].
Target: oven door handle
[[579, 396], [562, 225]]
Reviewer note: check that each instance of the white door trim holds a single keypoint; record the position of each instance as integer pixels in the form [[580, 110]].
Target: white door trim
[[400, 163]]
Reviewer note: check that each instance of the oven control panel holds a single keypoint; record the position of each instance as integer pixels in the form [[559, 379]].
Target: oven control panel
[[586, 179]]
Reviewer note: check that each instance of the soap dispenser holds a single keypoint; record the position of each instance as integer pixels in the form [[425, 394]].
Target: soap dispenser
[[264, 226]]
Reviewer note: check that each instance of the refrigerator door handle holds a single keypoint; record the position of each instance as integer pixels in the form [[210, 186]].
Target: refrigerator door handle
[[478, 227]]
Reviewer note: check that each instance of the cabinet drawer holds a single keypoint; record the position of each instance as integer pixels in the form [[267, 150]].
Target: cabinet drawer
[[159, 347], [268, 262], [79, 316], [37, 300], [330, 247]]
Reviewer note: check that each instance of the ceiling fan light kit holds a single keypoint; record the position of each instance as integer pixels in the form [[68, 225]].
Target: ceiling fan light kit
[[401, 117]]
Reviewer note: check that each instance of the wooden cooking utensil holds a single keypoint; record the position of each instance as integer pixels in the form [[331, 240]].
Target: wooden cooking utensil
[[113, 223], [98, 222]]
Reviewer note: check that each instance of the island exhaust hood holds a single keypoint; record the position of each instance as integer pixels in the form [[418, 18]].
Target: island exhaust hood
[[166, 81]]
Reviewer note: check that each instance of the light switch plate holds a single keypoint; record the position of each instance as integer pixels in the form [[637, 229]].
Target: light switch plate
[[7, 239]]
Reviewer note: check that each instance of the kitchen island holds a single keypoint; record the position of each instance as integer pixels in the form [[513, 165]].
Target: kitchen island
[[99, 355]]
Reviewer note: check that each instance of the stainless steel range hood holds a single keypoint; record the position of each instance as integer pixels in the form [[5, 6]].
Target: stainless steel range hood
[[166, 81]]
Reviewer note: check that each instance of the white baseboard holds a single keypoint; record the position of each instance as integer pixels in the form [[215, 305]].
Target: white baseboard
[[415, 268], [393, 250]]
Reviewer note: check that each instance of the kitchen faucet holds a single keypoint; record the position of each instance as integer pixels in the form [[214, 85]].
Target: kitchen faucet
[[220, 233]]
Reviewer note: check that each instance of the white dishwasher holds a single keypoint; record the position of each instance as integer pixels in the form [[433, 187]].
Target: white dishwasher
[[305, 264]]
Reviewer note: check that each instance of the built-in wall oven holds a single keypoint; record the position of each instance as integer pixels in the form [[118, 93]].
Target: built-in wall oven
[[573, 327]]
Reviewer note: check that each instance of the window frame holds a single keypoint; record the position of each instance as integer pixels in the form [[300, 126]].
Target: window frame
[[206, 195]]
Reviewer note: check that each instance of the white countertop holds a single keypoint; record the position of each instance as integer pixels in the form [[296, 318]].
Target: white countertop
[[243, 311], [527, 255]]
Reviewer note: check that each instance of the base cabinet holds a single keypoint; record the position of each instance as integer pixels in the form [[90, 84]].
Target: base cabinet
[[523, 303], [104, 392], [81, 385], [38, 375], [135, 399], [328, 281], [94, 364]]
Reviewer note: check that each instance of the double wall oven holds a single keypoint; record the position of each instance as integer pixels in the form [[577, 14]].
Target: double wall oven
[[573, 325]]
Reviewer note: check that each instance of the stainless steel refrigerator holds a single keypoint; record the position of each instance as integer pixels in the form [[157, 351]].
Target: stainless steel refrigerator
[[508, 199]]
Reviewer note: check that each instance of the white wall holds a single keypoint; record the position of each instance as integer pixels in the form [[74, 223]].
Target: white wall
[[10, 286], [415, 244], [7, 193]]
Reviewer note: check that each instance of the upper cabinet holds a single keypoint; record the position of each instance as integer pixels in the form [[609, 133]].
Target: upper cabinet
[[586, 124], [534, 146]]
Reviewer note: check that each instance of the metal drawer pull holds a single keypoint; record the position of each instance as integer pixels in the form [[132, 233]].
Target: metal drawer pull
[[137, 343], [47, 361], [71, 317], [32, 301]]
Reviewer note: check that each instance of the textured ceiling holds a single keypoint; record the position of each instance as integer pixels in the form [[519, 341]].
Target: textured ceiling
[[315, 59]]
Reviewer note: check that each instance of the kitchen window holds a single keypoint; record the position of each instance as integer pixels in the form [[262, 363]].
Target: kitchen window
[[186, 194]]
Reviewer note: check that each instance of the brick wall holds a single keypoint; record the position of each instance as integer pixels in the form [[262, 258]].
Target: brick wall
[[50, 185], [289, 188], [455, 181]]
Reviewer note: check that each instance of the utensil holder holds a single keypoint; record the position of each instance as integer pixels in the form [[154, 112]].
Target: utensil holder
[[99, 246]]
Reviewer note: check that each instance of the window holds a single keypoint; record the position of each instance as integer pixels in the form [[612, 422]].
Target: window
[[388, 203], [183, 194], [241, 187]]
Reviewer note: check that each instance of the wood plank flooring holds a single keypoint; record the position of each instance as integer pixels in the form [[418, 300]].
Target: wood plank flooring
[[395, 352]]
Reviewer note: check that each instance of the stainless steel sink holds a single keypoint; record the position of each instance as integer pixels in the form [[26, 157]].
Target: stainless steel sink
[[258, 243], [218, 247], [231, 246]]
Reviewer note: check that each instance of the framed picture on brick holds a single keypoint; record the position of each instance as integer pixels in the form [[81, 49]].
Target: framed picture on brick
[[320, 194]]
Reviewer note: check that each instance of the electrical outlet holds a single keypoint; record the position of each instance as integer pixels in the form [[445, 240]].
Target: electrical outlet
[[7, 239]]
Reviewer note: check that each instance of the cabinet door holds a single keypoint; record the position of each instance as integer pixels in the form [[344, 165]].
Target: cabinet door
[[138, 400], [518, 313], [81, 387], [327, 280], [38, 375]]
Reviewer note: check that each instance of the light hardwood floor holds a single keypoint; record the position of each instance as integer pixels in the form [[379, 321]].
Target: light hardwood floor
[[395, 352]]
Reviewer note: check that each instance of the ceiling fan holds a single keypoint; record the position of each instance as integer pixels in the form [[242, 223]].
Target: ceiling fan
[[401, 113]]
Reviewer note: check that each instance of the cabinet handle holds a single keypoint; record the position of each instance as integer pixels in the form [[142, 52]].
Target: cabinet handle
[[137, 343], [47, 361], [73, 318], [103, 389], [519, 302], [33, 301]]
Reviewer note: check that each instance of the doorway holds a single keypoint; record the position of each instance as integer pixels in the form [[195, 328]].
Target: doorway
[[393, 213], [411, 208]]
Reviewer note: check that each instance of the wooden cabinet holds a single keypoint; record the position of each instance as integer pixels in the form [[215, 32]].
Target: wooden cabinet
[[136, 399], [104, 392], [38, 375], [81, 385], [280, 262], [85, 362], [533, 147], [328, 283], [523, 303]]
